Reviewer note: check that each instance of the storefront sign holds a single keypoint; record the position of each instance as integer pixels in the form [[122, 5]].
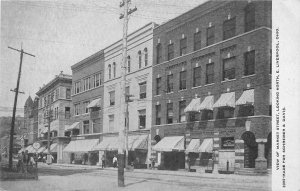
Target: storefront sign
[[228, 143]]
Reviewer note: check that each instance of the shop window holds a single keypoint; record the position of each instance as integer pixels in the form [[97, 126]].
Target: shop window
[[182, 80], [158, 86], [207, 115], [210, 38], [86, 127], [75, 132], [142, 119], [158, 53], [143, 88], [194, 116], [183, 46], [146, 56], [170, 51], [229, 28], [157, 114], [197, 41], [170, 113], [249, 17], [229, 68], [249, 63], [246, 110], [182, 106], [209, 73], [140, 59], [111, 123], [227, 143], [67, 133], [225, 112], [170, 83], [112, 98], [196, 76]]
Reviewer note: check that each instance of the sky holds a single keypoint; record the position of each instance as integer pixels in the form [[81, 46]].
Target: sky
[[62, 33]]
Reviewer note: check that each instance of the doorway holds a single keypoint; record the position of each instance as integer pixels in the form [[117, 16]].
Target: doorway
[[250, 149]]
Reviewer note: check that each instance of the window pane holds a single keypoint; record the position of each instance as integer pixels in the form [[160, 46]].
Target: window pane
[[197, 41], [182, 80], [210, 39], [170, 83], [183, 46], [158, 86], [209, 73], [228, 28], [197, 76], [170, 51], [249, 63], [229, 68], [158, 53]]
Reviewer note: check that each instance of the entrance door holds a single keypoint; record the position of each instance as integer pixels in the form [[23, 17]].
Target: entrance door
[[250, 149]]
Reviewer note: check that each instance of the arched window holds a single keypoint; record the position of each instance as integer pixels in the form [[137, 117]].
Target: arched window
[[114, 69], [128, 64], [146, 56], [109, 71], [140, 59]]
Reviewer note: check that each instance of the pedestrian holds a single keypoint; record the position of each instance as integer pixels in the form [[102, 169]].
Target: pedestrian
[[20, 164], [115, 161], [26, 160], [189, 163], [103, 161]]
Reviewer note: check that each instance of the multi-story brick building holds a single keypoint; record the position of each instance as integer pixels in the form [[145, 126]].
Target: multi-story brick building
[[55, 104], [138, 85], [30, 121], [211, 87], [87, 100]]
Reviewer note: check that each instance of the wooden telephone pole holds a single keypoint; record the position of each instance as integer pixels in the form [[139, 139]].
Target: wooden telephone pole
[[11, 141], [121, 157]]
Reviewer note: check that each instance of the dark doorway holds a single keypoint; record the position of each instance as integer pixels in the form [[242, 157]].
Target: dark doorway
[[250, 149], [174, 160]]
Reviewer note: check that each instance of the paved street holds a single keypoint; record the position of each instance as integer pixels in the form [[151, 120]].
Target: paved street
[[54, 177]]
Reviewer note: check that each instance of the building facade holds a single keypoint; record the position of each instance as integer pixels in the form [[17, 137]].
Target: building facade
[[211, 87], [30, 121], [87, 101], [55, 109], [138, 87]]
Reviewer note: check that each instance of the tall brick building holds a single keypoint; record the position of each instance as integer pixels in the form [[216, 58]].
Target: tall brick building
[[211, 87]]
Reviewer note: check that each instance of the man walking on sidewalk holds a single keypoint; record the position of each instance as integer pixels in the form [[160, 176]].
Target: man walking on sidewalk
[[115, 161], [103, 161]]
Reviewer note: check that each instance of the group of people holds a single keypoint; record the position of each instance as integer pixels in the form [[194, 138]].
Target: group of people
[[24, 161], [115, 161]]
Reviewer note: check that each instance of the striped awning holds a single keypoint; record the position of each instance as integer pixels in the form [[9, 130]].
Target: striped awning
[[207, 103], [193, 106], [95, 103], [193, 147], [137, 142], [108, 144], [226, 100], [206, 146], [41, 149], [30, 149], [168, 144], [73, 126], [53, 148], [247, 98], [84, 145]]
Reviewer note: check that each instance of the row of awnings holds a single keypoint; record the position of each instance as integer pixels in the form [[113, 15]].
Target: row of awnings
[[225, 100], [42, 149], [176, 143]]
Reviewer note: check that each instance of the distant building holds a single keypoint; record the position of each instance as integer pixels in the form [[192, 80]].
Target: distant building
[[211, 87], [30, 121], [55, 105]]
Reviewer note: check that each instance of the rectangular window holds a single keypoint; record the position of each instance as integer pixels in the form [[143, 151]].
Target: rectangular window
[[96, 126], [246, 110], [85, 104], [170, 83], [197, 76], [183, 46], [210, 38], [249, 17], [112, 98], [56, 117], [52, 97], [86, 127], [225, 112], [228, 28], [182, 80], [77, 87], [158, 53], [157, 114], [182, 105], [249, 63], [158, 85], [143, 88], [142, 119], [77, 109], [197, 41], [97, 80], [229, 68], [209, 73], [170, 51], [194, 116], [67, 113], [207, 115], [170, 113], [68, 93], [111, 123]]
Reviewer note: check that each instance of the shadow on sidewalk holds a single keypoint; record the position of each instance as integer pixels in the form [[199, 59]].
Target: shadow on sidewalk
[[133, 183]]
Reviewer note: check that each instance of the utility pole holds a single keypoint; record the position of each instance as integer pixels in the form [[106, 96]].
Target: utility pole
[[11, 141], [49, 159], [121, 158]]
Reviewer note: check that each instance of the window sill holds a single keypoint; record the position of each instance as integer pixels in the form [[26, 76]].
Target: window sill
[[209, 84], [182, 90], [157, 95], [169, 92], [251, 75], [196, 87], [224, 81]]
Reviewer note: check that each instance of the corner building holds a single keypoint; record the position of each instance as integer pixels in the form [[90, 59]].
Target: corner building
[[212, 88]]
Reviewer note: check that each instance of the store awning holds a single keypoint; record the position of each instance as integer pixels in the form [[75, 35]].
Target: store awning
[[22, 149], [30, 149], [71, 127], [206, 146], [95, 103], [108, 144], [53, 148], [84, 145], [53, 127], [207, 103], [41, 149], [193, 146], [247, 98], [137, 142], [226, 100], [270, 96], [168, 144], [193, 106]]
